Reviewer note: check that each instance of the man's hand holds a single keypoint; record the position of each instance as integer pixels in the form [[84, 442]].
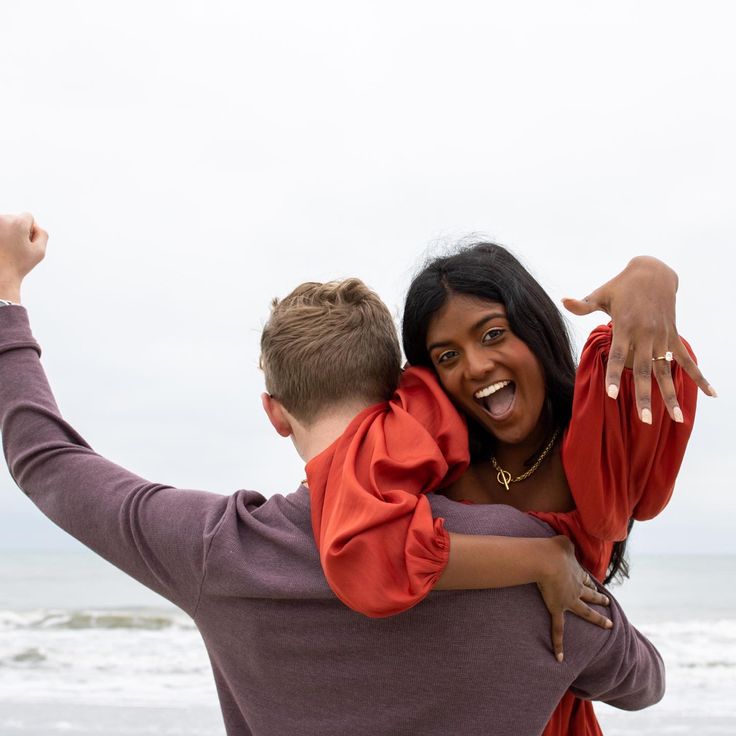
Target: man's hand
[[641, 303], [22, 247]]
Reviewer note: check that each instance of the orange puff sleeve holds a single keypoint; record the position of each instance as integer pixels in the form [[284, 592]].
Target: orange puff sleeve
[[618, 467], [380, 548]]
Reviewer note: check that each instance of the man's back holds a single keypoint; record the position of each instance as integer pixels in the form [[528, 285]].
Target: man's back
[[471, 662]]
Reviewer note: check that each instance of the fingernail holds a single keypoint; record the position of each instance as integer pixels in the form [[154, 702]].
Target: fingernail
[[712, 392], [646, 416], [613, 390], [560, 657], [606, 602], [609, 623], [678, 414]]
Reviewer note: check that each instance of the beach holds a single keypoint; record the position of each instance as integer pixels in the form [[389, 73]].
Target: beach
[[85, 650]]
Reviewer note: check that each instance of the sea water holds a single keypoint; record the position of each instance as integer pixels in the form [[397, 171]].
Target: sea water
[[86, 650], [686, 605]]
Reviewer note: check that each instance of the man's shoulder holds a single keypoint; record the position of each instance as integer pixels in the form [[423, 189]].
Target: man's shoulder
[[264, 548], [267, 516], [295, 503]]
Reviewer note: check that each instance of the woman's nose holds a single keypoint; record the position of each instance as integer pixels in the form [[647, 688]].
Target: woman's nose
[[478, 364]]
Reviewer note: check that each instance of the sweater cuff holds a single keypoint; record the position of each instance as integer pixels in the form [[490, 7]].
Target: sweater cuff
[[15, 330]]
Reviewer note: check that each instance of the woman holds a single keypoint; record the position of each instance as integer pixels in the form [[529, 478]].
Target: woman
[[479, 323]]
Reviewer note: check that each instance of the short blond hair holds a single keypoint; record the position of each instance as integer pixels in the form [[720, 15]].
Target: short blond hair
[[327, 344]]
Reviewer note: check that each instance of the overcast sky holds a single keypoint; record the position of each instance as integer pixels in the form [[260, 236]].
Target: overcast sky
[[193, 160]]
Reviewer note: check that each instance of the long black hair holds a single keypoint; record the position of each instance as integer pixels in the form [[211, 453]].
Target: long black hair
[[488, 271]]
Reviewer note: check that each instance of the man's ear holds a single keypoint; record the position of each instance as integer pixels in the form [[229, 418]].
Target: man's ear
[[276, 415]]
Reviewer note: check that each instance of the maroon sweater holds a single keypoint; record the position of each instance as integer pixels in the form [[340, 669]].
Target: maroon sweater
[[287, 657]]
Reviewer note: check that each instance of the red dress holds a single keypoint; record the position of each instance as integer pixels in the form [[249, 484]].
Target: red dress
[[380, 547]]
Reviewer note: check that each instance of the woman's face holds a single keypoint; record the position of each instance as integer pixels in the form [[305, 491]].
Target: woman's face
[[488, 371]]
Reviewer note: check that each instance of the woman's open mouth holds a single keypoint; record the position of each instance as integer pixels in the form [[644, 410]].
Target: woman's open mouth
[[497, 399]]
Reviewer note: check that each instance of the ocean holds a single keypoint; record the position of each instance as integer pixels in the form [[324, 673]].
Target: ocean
[[84, 650]]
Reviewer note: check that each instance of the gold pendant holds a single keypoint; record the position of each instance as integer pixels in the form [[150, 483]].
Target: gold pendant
[[503, 477]]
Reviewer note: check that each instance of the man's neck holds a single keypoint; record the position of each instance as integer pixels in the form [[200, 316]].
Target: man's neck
[[311, 441]]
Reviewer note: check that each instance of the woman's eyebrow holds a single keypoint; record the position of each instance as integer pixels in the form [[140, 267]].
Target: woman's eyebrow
[[488, 318], [436, 345], [485, 318]]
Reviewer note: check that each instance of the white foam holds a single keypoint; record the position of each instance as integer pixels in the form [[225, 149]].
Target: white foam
[[102, 657]]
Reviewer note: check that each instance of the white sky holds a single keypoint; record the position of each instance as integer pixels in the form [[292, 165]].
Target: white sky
[[193, 160]]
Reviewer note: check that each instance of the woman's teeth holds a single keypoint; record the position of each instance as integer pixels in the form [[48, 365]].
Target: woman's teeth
[[488, 390]]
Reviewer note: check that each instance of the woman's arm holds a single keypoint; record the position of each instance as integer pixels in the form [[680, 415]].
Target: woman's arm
[[381, 549], [626, 439]]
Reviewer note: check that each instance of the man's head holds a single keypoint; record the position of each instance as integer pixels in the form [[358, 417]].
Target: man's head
[[329, 346]]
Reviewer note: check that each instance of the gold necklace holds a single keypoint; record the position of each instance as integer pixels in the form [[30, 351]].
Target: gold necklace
[[504, 477]]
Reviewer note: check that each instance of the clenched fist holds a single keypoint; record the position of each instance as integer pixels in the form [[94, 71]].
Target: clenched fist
[[22, 247]]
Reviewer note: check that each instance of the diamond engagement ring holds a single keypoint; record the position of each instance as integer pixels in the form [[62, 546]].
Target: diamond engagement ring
[[667, 356]]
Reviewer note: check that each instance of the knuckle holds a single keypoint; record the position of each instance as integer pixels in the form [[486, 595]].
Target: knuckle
[[644, 370]]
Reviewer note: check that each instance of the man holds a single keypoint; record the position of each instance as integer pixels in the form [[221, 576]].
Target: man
[[287, 656]]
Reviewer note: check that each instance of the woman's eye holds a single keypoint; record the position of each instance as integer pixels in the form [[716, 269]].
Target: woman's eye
[[447, 355], [493, 334]]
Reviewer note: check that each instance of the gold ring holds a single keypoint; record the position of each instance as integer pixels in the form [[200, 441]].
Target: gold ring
[[667, 356]]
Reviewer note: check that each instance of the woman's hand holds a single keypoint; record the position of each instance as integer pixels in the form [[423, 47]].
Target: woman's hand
[[566, 586], [641, 303]]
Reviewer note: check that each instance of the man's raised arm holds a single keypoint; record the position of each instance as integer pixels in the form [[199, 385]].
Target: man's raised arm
[[155, 533]]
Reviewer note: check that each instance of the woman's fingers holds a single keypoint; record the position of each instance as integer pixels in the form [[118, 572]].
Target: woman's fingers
[[558, 634], [582, 610], [594, 596], [682, 356], [586, 612], [663, 373], [647, 361], [616, 363], [642, 367], [580, 307]]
